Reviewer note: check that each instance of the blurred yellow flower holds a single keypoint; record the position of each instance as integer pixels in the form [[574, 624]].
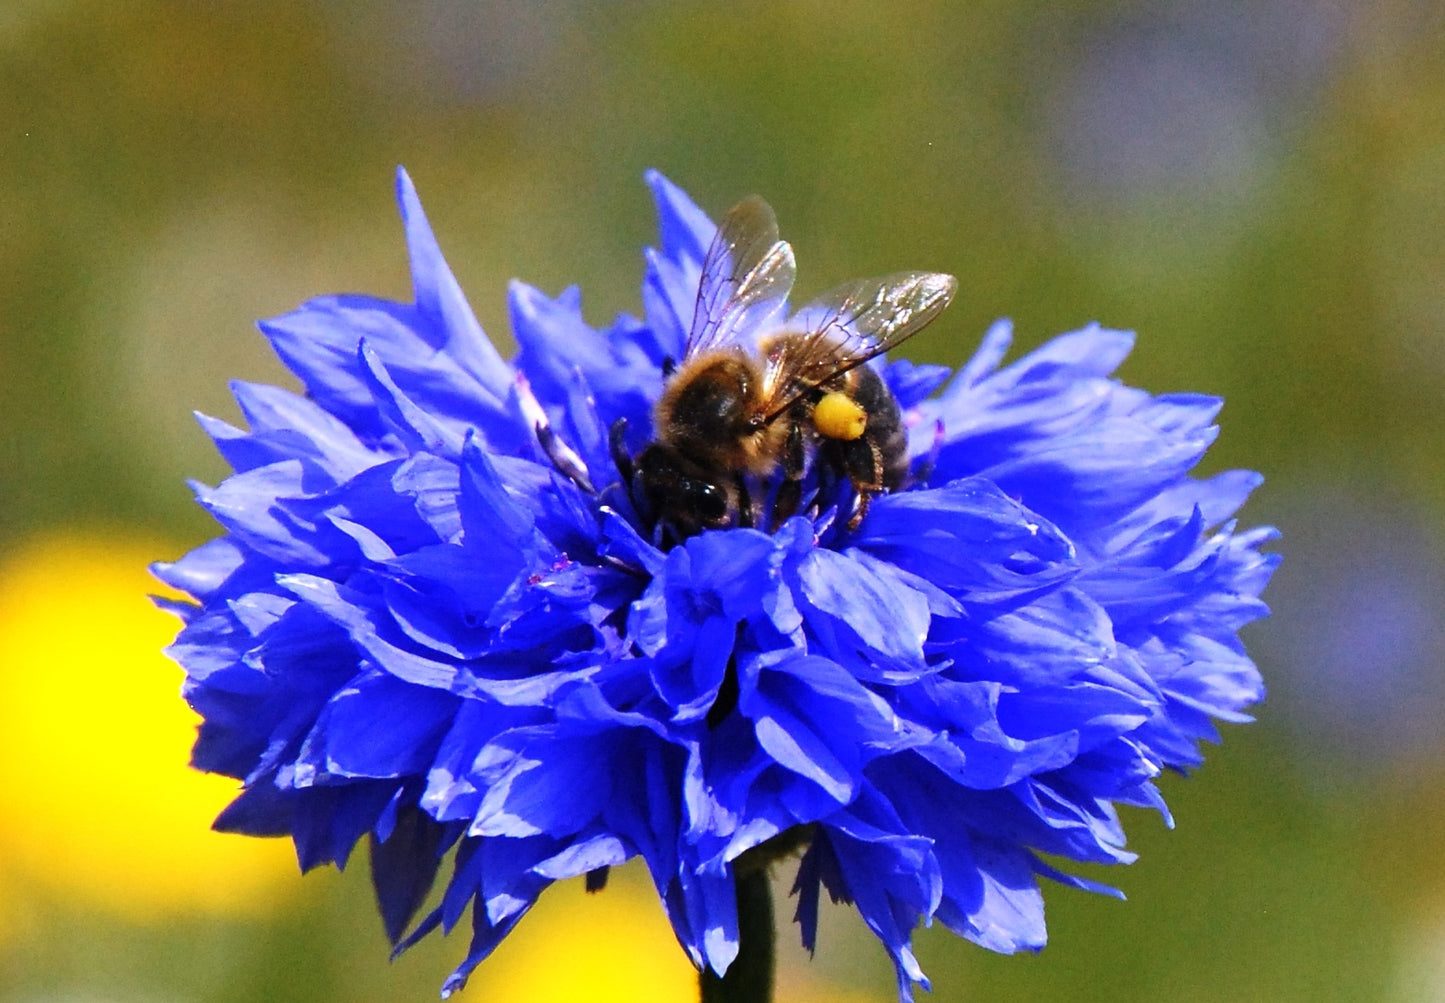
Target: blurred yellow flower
[[618, 949], [97, 802]]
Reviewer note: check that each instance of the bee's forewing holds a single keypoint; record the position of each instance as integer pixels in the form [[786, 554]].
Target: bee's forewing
[[847, 326], [746, 277], [867, 317]]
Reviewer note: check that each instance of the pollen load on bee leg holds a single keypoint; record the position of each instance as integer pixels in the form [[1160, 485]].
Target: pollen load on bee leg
[[838, 416]]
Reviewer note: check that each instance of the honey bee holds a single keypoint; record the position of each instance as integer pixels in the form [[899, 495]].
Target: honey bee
[[757, 393]]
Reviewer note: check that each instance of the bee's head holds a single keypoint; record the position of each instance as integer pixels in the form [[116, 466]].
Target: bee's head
[[710, 401], [678, 491]]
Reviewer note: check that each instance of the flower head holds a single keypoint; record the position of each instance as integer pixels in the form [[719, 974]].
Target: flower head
[[441, 619]]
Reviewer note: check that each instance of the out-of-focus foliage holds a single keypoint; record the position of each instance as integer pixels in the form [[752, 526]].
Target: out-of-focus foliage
[[1255, 187]]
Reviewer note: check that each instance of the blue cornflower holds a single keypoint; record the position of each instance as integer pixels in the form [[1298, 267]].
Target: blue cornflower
[[440, 620]]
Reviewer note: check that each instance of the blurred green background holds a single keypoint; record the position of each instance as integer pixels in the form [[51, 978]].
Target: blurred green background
[[1257, 188]]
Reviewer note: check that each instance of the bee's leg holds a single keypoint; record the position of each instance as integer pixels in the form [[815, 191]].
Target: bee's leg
[[860, 510], [669, 366], [785, 503], [862, 461], [616, 442], [745, 503], [790, 492]]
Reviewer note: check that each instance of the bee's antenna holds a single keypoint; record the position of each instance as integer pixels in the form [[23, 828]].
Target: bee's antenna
[[616, 441]]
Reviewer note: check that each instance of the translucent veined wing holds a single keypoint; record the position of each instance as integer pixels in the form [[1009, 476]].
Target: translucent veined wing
[[746, 277], [847, 326]]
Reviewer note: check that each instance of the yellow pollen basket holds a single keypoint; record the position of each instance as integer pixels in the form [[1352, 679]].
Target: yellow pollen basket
[[838, 416]]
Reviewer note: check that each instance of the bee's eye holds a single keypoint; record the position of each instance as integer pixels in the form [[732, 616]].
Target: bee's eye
[[710, 502]]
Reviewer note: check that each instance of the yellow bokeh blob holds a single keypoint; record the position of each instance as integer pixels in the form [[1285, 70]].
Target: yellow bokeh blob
[[617, 947], [97, 802], [611, 947]]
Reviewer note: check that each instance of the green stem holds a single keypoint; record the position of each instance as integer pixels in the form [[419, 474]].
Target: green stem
[[750, 976]]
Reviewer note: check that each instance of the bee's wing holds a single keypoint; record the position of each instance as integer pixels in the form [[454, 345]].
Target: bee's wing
[[746, 277], [847, 326]]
